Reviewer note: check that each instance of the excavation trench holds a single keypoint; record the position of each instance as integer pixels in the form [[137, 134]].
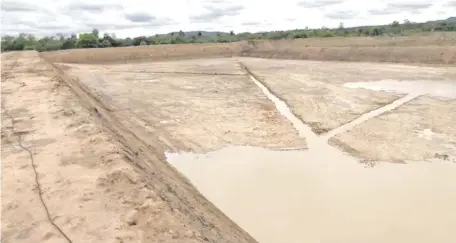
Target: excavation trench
[[314, 195], [323, 194]]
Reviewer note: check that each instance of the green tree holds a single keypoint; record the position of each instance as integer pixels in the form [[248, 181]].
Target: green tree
[[49, 44], [109, 38], [87, 40], [19, 43], [106, 43], [140, 39], [127, 42], [7, 43], [69, 43]]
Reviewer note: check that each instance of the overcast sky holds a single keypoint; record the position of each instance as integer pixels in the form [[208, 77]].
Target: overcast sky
[[136, 17]]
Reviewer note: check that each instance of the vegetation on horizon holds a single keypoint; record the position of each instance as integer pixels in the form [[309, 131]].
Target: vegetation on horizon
[[94, 40]]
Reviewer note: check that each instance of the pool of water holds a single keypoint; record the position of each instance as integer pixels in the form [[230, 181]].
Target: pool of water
[[323, 194], [320, 196]]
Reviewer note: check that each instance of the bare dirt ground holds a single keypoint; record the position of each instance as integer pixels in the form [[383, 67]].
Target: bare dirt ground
[[85, 177], [196, 110], [314, 90], [421, 130]]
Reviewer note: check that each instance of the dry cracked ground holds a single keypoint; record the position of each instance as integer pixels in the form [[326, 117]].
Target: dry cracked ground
[[100, 153]]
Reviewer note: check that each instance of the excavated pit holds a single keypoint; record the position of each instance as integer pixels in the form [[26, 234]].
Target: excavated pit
[[226, 133], [225, 128], [277, 148]]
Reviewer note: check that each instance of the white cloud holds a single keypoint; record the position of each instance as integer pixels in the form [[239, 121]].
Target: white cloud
[[138, 17]]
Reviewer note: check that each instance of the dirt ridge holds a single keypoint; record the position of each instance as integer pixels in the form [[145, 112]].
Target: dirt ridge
[[406, 49], [315, 127]]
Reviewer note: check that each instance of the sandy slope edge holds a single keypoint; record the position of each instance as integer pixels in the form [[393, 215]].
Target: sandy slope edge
[[100, 182]]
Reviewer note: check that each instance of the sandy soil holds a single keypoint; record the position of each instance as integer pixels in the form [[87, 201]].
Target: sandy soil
[[314, 90], [434, 48], [87, 182], [196, 110], [423, 129], [99, 146]]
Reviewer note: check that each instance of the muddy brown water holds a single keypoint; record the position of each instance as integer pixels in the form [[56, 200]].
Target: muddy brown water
[[323, 194]]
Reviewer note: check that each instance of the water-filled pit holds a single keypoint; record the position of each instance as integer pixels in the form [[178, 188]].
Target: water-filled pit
[[325, 195]]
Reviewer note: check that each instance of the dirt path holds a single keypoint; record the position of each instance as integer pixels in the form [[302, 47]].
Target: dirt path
[[86, 180]]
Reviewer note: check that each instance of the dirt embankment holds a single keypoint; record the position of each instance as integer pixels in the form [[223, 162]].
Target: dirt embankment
[[140, 53], [436, 48], [99, 182]]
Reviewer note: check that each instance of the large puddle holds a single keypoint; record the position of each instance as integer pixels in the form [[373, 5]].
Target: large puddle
[[324, 195]]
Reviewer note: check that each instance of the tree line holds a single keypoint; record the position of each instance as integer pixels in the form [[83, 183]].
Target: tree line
[[95, 40]]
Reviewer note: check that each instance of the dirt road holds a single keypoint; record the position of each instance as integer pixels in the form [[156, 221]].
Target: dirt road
[[85, 177]]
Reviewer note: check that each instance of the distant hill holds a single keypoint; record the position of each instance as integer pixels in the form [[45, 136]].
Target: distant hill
[[450, 19]]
